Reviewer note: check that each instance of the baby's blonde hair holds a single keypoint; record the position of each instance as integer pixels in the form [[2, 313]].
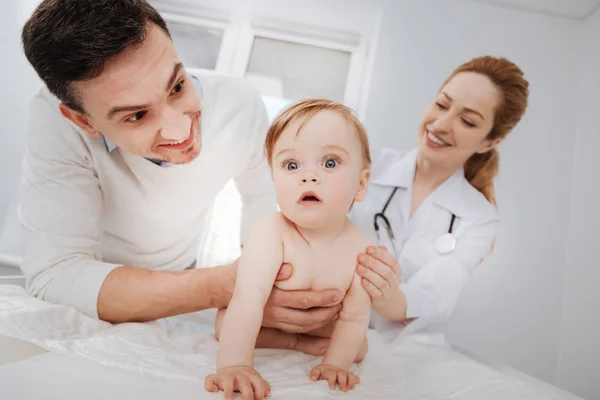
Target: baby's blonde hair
[[307, 109]]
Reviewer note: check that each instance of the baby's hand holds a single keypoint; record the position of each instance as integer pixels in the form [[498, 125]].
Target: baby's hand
[[243, 379], [333, 375]]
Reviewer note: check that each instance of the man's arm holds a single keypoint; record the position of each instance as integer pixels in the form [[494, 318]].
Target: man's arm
[[60, 212], [135, 294]]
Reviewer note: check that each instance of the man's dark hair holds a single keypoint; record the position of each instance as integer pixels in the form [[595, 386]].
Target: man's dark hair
[[70, 40]]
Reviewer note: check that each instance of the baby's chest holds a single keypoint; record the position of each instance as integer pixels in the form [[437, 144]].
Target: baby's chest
[[319, 269]]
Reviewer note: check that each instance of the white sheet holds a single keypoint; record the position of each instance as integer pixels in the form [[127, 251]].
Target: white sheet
[[182, 349]]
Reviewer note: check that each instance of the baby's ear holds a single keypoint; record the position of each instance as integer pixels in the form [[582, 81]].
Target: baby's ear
[[363, 184]]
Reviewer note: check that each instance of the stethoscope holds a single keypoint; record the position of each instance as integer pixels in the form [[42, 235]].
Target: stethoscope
[[444, 244]]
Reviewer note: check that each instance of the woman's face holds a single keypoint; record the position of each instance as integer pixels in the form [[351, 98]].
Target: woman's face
[[458, 121]]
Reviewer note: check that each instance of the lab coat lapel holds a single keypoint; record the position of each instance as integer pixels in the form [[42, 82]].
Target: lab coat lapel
[[451, 195], [399, 173]]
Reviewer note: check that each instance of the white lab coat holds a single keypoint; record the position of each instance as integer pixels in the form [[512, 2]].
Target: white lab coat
[[432, 282]]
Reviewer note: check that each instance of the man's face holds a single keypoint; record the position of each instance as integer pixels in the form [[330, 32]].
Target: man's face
[[144, 102]]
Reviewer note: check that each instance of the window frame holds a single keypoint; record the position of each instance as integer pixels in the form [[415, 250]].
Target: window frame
[[316, 36], [240, 28]]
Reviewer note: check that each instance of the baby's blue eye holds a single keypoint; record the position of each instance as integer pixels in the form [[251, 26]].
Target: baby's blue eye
[[291, 166], [330, 163]]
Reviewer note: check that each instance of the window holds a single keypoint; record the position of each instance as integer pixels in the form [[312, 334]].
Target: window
[[285, 71], [197, 46]]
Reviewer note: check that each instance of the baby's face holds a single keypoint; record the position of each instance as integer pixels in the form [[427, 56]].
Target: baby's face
[[318, 172]]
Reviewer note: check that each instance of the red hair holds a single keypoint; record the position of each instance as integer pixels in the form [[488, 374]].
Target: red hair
[[481, 169], [307, 109]]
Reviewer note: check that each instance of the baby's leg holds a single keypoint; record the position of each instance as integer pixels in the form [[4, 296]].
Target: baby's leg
[[269, 338]]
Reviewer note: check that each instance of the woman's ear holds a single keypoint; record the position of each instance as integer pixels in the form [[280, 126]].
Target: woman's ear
[[363, 184], [489, 144]]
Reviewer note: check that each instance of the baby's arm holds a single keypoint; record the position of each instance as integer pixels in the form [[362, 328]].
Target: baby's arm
[[348, 336], [259, 264], [261, 259], [350, 330]]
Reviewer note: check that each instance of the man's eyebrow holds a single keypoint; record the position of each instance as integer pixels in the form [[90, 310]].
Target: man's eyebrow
[[176, 69], [119, 109], [465, 108]]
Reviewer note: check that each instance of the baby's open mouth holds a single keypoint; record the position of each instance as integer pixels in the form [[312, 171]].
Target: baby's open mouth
[[308, 198]]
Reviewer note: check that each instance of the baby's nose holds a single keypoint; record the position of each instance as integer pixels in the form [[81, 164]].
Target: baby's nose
[[310, 178]]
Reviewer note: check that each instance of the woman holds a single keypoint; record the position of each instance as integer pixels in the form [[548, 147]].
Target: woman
[[437, 201]]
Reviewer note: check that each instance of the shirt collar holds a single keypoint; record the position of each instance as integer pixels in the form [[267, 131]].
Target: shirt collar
[[453, 194], [395, 170], [111, 146]]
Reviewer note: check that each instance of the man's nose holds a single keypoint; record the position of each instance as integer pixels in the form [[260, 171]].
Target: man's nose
[[176, 125]]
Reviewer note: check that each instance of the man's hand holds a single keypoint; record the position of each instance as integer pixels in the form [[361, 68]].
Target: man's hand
[[300, 311]]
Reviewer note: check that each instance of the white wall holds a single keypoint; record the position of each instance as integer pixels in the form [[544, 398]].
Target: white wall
[[512, 310], [580, 338], [18, 82]]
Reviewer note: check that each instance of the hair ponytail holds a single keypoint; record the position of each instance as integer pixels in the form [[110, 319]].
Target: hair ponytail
[[480, 171]]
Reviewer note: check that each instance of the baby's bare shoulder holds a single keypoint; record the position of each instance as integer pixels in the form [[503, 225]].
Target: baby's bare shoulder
[[271, 223], [357, 239]]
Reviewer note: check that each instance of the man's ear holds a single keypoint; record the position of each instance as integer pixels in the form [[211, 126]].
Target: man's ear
[[78, 119], [363, 184]]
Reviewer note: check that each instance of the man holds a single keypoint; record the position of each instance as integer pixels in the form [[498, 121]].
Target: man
[[125, 155]]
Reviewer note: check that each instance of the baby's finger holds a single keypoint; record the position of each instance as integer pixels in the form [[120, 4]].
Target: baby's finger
[[342, 378], [371, 289], [211, 383], [315, 374], [228, 381], [351, 381], [260, 386], [331, 377], [245, 387]]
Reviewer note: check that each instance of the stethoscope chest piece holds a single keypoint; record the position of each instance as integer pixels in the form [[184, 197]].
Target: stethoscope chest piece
[[445, 243]]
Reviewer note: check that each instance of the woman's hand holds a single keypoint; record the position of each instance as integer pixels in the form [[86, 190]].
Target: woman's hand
[[381, 273]]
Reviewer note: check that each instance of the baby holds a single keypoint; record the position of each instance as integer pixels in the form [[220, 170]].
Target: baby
[[318, 152]]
